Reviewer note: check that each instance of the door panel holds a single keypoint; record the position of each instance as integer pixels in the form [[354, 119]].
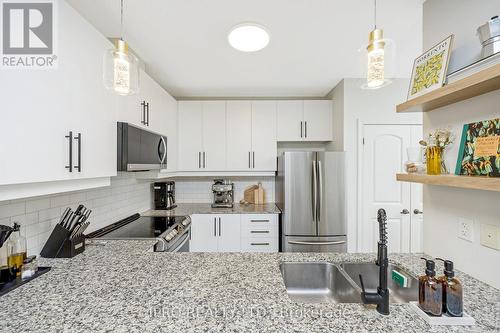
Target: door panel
[[214, 135], [298, 188], [417, 218], [190, 135], [229, 234], [264, 147], [289, 117], [239, 135], [203, 233], [331, 198], [318, 120], [384, 153]]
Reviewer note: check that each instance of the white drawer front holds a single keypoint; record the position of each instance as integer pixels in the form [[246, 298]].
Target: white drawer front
[[259, 245], [257, 221]]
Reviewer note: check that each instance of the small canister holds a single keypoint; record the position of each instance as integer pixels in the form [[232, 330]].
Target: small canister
[[30, 267]]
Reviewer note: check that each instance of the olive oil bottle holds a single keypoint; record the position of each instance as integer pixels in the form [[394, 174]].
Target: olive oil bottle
[[16, 251]]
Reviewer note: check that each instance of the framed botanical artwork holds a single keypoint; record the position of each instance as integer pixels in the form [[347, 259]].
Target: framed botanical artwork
[[429, 70]]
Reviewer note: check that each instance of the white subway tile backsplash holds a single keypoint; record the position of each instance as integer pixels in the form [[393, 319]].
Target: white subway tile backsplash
[[39, 215]]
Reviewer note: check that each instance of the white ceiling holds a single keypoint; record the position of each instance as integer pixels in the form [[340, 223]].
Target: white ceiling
[[314, 43]]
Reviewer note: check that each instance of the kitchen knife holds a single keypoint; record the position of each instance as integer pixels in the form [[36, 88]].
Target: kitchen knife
[[79, 209], [68, 219], [64, 215]]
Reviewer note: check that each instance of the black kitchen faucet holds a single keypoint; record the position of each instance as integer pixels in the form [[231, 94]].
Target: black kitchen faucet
[[381, 297]]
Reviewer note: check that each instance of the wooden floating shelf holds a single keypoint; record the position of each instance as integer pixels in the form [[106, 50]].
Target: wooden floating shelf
[[474, 85], [477, 183]]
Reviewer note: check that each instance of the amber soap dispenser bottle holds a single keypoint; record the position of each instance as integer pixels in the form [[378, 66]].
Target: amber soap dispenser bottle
[[430, 290], [452, 291]]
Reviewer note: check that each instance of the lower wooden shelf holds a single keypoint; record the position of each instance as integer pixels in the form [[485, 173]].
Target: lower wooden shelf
[[477, 183]]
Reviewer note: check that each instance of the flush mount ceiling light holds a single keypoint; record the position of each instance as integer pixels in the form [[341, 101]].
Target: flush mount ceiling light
[[248, 37]]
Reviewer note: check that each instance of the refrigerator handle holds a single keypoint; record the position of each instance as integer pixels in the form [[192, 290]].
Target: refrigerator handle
[[320, 191], [314, 190]]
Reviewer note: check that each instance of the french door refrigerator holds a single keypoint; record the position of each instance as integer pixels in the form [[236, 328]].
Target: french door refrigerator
[[310, 191]]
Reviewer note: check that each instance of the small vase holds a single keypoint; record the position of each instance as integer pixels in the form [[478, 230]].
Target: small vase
[[434, 160], [444, 168]]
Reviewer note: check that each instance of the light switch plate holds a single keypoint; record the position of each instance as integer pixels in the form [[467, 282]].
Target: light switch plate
[[490, 236], [466, 229]]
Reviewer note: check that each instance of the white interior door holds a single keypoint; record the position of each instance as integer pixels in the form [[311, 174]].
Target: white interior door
[[416, 211], [384, 153]]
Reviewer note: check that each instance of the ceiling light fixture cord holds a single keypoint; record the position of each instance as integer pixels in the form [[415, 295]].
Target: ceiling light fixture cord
[[375, 14], [121, 19]]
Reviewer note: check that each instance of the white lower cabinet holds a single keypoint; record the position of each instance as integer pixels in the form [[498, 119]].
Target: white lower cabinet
[[234, 233]]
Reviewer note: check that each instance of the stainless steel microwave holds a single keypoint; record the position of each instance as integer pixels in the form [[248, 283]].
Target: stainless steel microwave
[[139, 149]]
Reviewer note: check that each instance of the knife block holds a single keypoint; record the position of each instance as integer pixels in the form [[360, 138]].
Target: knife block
[[59, 245]]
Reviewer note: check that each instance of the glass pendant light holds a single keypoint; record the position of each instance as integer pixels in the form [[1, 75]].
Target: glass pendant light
[[120, 66], [376, 57]]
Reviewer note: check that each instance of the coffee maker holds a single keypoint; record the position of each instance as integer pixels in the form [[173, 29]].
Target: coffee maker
[[223, 193], [5, 275], [164, 193]]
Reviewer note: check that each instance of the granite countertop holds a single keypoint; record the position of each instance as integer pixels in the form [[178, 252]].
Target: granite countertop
[[184, 209], [119, 286]]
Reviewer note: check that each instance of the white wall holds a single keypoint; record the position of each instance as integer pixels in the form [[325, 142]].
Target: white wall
[[443, 206], [461, 18], [39, 215], [368, 107]]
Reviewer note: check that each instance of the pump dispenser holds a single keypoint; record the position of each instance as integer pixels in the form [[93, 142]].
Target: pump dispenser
[[452, 291], [430, 290]]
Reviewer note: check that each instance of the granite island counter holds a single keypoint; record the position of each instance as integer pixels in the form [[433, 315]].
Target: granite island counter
[[118, 286]]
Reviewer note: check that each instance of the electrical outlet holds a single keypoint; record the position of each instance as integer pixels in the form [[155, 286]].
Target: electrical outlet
[[490, 236], [466, 229]]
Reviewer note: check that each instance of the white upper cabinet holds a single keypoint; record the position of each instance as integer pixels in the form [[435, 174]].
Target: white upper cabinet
[[41, 107], [214, 135], [309, 120], [264, 146], [290, 116], [318, 120], [202, 135], [190, 135], [239, 135]]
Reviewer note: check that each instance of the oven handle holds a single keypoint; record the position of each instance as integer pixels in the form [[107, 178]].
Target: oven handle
[[186, 239]]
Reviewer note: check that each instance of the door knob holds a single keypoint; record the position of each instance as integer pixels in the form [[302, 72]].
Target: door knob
[[416, 211], [405, 211]]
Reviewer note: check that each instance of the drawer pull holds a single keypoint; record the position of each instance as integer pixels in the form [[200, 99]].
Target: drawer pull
[[259, 221], [257, 244], [259, 231]]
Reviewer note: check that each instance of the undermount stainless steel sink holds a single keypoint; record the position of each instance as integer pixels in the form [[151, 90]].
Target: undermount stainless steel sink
[[323, 282], [313, 282], [369, 271]]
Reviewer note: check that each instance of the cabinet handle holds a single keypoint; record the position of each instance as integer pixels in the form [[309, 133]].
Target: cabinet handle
[[219, 228], [70, 141], [249, 163], [259, 244], [147, 114], [143, 116], [199, 160], [259, 221], [79, 166], [305, 129], [215, 227], [204, 160], [259, 231], [253, 159], [301, 129]]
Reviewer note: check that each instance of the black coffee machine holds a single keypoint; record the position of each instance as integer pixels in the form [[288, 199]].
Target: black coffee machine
[[164, 195]]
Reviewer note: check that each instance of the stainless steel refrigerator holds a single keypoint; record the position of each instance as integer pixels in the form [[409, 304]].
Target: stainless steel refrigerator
[[310, 191]]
